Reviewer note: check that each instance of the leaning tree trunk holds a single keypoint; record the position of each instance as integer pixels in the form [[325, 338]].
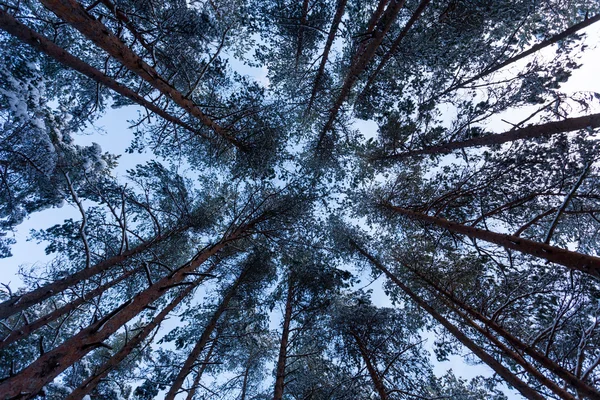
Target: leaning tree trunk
[[494, 364], [46, 46], [536, 355], [283, 344], [528, 132], [75, 14], [187, 367], [205, 362], [90, 384], [33, 378], [570, 259], [375, 378], [21, 302]]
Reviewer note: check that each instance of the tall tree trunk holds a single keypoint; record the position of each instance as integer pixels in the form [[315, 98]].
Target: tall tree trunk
[[282, 359], [75, 14], [90, 384], [9, 24], [543, 44], [337, 18], [26, 330], [303, 23], [33, 378], [570, 259], [552, 366], [245, 383], [528, 132], [377, 382], [361, 60], [198, 377], [188, 365], [494, 364], [21, 302], [396, 44]]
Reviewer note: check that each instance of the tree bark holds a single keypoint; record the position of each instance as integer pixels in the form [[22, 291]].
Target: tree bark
[[546, 362], [75, 14], [282, 359], [337, 18], [26, 330], [187, 367], [198, 377], [30, 380], [9, 24], [396, 44], [494, 364], [90, 384], [303, 22], [570, 259], [361, 60], [20, 303], [528, 132], [377, 382]]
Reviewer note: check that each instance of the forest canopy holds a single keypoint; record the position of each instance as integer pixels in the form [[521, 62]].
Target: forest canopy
[[340, 195]]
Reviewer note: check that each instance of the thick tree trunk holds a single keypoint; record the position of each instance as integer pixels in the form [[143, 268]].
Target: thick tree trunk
[[548, 42], [283, 344], [198, 377], [20, 303], [361, 60], [90, 384], [536, 355], [33, 378], [494, 364], [188, 365], [528, 132], [75, 14], [337, 18], [570, 259], [396, 44], [44, 45], [25, 330], [377, 382]]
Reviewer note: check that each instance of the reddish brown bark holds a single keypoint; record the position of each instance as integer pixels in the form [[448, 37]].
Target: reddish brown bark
[[546, 362], [494, 364], [31, 379], [43, 44], [377, 382], [188, 365], [283, 344], [396, 44], [337, 18], [545, 43], [528, 132], [75, 14], [25, 330], [90, 384], [205, 362], [361, 60], [570, 259], [20, 303]]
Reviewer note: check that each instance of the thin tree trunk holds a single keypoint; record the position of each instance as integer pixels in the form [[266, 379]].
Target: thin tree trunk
[[545, 43], [33, 378], [494, 364], [245, 383], [396, 44], [75, 14], [361, 60], [549, 364], [282, 359], [377, 382], [198, 377], [26, 330], [90, 384], [528, 132], [303, 22], [188, 365], [9, 24], [337, 18], [570, 259], [20, 303]]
